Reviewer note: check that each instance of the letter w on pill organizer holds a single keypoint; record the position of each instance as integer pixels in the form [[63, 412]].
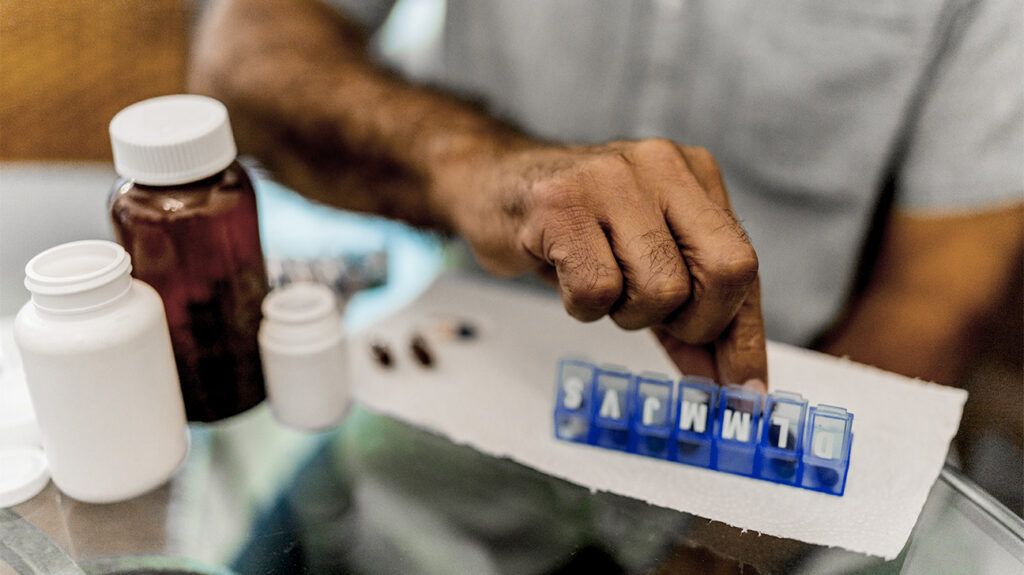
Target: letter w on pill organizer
[[694, 421]]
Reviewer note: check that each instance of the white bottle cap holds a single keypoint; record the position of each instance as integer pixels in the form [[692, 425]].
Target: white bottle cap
[[23, 474], [172, 140], [300, 316], [78, 276]]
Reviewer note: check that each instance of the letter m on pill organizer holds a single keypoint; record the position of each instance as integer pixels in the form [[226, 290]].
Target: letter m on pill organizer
[[779, 438]]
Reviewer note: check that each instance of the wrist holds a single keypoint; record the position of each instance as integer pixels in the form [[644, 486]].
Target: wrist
[[462, 169]]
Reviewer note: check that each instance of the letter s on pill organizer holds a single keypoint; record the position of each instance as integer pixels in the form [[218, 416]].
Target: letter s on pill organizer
[[779, 438]]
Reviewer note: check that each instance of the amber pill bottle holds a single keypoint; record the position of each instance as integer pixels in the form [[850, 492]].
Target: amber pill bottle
[[186, 212]]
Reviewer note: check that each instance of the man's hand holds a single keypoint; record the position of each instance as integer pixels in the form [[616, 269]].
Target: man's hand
[[639, 231]]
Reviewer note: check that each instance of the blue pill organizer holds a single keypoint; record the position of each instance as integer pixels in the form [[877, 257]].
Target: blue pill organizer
[[778, 438]]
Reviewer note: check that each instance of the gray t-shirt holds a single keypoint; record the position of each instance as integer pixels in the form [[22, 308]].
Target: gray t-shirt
[[808, 106]]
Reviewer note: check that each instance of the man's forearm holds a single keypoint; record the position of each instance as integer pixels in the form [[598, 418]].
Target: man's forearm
[[308, 102], [641, 231], [937, 281]]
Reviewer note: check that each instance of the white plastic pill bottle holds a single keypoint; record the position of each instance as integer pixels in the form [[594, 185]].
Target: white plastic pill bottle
[[302, 347], [100, 372]]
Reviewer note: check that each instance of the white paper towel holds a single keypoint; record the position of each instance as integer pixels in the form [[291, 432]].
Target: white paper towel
[[496, 394]]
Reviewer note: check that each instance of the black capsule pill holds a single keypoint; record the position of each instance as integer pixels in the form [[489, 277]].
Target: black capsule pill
[[466, 330], [381, 354], [421, 351]]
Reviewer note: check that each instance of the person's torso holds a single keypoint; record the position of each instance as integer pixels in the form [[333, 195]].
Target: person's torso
[[801, 102]]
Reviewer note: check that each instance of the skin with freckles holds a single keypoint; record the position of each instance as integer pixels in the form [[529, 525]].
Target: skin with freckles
[[640, 231]]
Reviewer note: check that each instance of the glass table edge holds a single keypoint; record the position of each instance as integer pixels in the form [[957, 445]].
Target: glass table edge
[[983, 503]]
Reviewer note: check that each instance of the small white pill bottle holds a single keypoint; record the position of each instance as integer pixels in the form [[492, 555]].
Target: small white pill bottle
[[100, 371], [302, 347]]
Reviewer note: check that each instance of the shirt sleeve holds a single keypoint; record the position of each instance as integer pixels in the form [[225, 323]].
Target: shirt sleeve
[[369, 13], [966, 150]]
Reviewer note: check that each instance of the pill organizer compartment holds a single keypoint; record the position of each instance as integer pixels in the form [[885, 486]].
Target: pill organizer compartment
[[572, 400], [652, 416], [695, 421], [736, 429], [827, 449], [781, 446], [611, 406]]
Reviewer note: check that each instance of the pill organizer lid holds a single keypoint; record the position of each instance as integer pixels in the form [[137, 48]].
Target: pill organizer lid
[[654, 375], [790, 395], [172, 140], [24, 472]]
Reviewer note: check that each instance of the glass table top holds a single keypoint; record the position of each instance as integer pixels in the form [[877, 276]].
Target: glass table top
[[256, 497]]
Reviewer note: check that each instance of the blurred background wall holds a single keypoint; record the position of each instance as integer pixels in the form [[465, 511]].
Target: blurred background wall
[[70, 65]]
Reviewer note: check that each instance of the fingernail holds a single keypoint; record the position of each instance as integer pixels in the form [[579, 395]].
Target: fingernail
[[756, 385]]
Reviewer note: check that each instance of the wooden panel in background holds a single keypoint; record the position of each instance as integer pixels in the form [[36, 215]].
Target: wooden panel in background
[[67, 66]]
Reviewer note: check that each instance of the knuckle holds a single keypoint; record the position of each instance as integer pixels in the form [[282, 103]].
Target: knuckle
[[667, 279], [615, 167], [567, 238], [649, 305], [737, 269], [699, 154], [592, 290], [627, 323], [604, 292], [567, 220], [702, 160], [630, 315], [558, 195], [660, 147], [560, 254], [666, 293]]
